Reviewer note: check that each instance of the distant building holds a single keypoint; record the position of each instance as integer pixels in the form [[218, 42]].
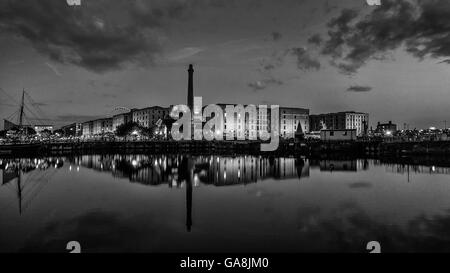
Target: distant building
[[87, 128], [338, 134], [97, 127], [8, 125], [148, 117], [121, 119], [245, 126], [102, 126], [39, 129], [293, 121], [340, 121], [386, 128], [72, 130]]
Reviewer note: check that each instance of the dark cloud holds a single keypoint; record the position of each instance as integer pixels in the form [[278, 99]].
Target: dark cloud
[[421, 27], [445, 61], [77, 118], [38, 104], [360, 185], [99, 36], [304, 60], [316, 39], [276, 36], [263, 84], [359, 88], [327, 7]]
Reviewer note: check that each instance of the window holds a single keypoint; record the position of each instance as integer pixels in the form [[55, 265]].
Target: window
[[331, 133]]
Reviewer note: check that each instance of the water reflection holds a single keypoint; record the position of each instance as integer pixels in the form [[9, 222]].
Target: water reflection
[[322, 204], [214, 170], [25, 189]]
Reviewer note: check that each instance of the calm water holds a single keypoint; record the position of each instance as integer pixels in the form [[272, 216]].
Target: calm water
[[139, 203]]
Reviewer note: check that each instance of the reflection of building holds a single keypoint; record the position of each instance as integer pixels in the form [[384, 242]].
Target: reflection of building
[[339, 165], [335, 135], [225, 171], [216, 170], [340, 121], [148, 117]]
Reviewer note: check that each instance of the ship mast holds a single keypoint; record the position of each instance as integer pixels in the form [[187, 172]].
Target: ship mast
[[21, 108]]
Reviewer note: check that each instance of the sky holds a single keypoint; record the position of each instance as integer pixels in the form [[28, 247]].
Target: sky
[[83, 62]]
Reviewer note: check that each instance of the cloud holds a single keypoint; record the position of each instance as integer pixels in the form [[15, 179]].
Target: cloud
[[184, 53], [420, 27], [39, 104], [360, 185], [276, 36], [304, 60], [263, 84], [316, 39], [327, 7], [445, 61], [77, 118], [53, 68], [99, 36], [359, 88]]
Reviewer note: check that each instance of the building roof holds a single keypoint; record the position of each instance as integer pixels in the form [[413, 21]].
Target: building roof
[[151, 107], [334, 130], [342, 112]]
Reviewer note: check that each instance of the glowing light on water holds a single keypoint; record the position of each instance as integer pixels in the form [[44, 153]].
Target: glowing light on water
[[134, 162]]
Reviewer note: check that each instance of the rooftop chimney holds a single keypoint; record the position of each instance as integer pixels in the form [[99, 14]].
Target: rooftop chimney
[[190, 98]]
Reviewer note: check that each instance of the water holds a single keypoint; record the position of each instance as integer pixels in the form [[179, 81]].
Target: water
[[139, 203]]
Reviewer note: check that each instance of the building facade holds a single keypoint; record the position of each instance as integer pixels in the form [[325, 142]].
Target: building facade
[[148, 117], [87, 128], [338, 135], [72, 130], [103, 126], [121, 119], [293, 121], [386, 128], [97, 127], [340, 121]]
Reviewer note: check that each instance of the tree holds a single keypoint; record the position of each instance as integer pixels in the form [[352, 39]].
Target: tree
[[168, 122], [148, 132], [127, 129]]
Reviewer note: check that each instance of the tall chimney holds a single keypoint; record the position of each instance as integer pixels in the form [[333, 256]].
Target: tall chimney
[[190, 98]]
